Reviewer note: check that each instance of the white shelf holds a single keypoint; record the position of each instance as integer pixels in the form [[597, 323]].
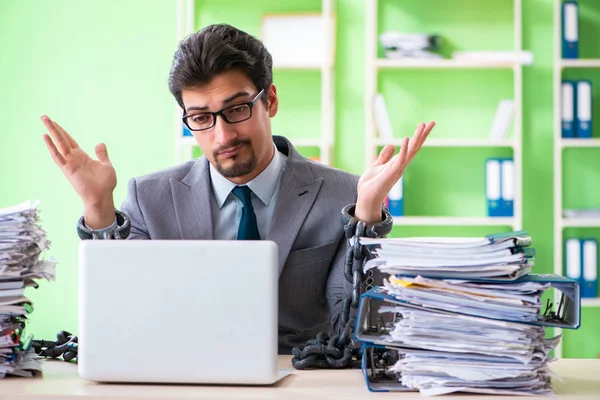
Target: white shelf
[[580, 143], [580, 63], [580, 222], [382, 63], [306, 142], [188, 141], [454, 221], [590, 302], [434, 142]]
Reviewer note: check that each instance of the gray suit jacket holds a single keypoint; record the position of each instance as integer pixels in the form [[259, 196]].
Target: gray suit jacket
[[175, 204]]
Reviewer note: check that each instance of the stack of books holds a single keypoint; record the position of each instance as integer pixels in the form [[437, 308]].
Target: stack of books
[[462, 315], [22, 243]]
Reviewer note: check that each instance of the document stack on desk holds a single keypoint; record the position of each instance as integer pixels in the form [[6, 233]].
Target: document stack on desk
[[462, 314], [22, 242]]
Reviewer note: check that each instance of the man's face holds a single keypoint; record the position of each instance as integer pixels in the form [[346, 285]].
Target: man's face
[[239, 151]]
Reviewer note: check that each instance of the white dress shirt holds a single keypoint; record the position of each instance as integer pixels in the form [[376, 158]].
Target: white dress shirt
[[227, 208]]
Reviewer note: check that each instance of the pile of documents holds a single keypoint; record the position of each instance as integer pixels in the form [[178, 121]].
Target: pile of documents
[[463, 314], [411, 45], [22, 242]]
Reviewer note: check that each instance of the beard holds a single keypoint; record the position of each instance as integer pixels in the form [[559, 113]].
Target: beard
[[239, 168]]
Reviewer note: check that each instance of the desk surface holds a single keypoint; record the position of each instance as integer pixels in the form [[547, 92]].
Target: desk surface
[[60, 380]]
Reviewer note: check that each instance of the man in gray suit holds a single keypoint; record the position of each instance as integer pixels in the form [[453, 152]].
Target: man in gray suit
[[248, 185]]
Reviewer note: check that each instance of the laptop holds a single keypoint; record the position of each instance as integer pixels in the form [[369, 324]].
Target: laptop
[[178, 311]]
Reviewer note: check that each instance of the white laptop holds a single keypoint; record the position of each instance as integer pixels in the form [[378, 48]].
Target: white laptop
[[178, 311]]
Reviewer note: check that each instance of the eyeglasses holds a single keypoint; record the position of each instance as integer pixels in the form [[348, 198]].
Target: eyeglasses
[[232, 115]]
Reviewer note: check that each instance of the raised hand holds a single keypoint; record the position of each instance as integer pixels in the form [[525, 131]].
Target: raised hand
[[376, 182], [93, 180]]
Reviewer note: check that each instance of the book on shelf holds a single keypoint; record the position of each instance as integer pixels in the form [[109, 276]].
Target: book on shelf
[[382, 117], [502, 119]]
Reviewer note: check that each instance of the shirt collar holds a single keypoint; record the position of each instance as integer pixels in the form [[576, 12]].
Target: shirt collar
[[262, 185]]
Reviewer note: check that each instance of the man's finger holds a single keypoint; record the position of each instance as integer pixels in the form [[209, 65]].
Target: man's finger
[[385, 155], [57, 137], [71, 141], [58, 159], [102, 152], [419, 139]]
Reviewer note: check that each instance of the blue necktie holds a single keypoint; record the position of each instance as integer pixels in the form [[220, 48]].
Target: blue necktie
[[248, 229]]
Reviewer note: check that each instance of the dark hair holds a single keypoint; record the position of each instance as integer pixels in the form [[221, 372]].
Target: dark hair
[[216, 49]]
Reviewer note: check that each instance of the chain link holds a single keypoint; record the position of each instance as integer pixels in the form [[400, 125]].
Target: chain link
[[340, 351]]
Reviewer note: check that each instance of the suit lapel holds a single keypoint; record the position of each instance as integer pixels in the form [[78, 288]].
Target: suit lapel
[[192, 201], [297, 194]]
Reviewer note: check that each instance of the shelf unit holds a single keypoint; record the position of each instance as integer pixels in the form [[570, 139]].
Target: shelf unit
[[374, 65], [560, 222], [184, 145]]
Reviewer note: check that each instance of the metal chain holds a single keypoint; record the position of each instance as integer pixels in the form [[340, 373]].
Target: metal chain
[[340, 351]]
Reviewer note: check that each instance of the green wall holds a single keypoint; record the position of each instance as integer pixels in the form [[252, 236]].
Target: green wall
[[101, 70]]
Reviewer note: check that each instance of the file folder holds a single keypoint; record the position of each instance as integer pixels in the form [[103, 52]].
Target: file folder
[[584, 109], [395, 199], [493, 187], [589, 262], [507, 192], [570, 29], [568, 99]]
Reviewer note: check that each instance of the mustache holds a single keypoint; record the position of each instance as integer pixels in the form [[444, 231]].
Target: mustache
[[230, 145]]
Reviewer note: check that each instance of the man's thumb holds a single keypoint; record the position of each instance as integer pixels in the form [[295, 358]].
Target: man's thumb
[[102, 153]]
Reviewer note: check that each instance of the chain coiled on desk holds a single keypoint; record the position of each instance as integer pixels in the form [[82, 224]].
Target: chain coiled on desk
[[340, 351], [65, 346]]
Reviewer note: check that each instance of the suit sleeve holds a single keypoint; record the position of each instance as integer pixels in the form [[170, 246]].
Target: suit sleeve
[[131, 208], [338, 288]]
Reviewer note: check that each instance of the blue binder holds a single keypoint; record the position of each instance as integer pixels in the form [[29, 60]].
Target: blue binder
[[572, 260], [493, 188], [568, 108], [584, 108], [589, 265], [567, 315], [570, 29], [395, 199], [186, 131], [499, 183]]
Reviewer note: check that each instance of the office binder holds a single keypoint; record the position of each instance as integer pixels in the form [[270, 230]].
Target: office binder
[[589, 262], [507, 192], [584, 109], [395, 199], [492, 187], [566, 315], [572, 262], [186, 131], [499, 182], [570, 29], [568, 105]]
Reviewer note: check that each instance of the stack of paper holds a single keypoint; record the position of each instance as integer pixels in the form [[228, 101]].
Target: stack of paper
[[22, 242], [457, 315], [410, 45], [504, 256]]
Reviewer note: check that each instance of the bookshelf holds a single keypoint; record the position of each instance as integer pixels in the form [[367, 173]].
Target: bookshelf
[[376, 65], [562, 67], [187, 11]]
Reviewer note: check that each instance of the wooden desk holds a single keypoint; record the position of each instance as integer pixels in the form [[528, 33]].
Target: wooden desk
[[60, 380]]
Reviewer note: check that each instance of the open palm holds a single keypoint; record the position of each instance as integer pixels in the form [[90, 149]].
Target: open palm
[[377, 181], [93, 180]]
